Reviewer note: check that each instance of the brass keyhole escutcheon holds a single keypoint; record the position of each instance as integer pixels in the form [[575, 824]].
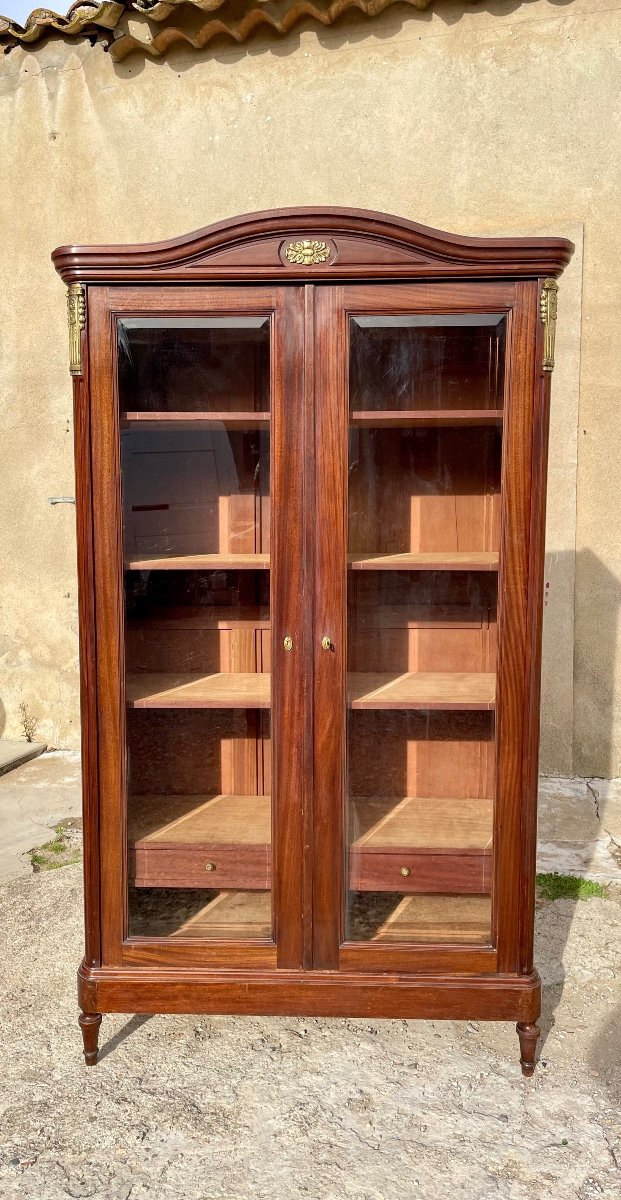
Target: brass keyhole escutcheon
[[209, 866], [288, 643], [326, 643], [406, 871]]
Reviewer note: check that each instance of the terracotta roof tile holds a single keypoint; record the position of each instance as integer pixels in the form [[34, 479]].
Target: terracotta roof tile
[[222, 17]]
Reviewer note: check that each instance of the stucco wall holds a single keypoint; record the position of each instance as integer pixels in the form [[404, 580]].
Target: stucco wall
[[502, 118]]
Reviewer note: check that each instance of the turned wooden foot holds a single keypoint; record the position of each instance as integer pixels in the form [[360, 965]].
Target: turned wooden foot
[[528, 1035], [89, 1024]]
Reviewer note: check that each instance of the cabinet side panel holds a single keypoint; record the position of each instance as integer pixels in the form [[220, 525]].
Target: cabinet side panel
[[541, 426], [517, 740], [88, 651], [110, 692]]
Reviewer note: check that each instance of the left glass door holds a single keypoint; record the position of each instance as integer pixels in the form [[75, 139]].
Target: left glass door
[[196, 407]]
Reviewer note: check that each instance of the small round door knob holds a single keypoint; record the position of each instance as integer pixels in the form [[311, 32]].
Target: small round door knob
[[406, 871], [209, 866]]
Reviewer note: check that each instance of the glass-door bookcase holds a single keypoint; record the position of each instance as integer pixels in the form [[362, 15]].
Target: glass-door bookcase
[[310, 471]]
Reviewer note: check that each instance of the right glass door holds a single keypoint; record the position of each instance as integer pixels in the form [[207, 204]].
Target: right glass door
[[423, 540]]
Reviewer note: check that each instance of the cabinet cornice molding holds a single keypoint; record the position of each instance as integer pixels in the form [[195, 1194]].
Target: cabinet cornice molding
[[356, 243]]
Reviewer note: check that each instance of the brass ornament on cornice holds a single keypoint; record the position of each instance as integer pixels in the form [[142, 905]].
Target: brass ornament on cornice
[[548, 304], [307, 252], [76, 311]]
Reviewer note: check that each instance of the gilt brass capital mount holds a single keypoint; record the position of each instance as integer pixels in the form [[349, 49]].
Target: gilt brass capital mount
[[548, 303], [76, 312]]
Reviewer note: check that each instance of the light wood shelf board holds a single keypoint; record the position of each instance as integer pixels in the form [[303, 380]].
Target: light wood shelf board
[[396, 419], [199, 562], [237, 915], [438, 918], [230, 420], [447, 560], [422, 690], [429, 824], [168, 822], [193, 690]]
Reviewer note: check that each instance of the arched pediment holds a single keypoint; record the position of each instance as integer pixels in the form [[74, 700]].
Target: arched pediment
[[314, 243]]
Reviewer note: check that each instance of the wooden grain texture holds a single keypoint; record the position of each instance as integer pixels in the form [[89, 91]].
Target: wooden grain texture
[[199, 562], [367, 243], [426, 690], [376, 419], [474, 953], [228, 420], [88, 657], [286, 993], [517, 737], [226, 689], [330, 574], [428, 560], [428, 823], [200, 842]]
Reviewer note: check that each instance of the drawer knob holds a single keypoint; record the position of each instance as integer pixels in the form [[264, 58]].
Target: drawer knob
[[406, 871], [209, 866]]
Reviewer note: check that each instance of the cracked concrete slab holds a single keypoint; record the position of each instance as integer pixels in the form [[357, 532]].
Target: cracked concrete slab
[[33, 798], [14, 752]]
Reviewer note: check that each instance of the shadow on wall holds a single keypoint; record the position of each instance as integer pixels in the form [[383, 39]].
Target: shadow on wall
[[188, 34], [605, 594], [2, 719]]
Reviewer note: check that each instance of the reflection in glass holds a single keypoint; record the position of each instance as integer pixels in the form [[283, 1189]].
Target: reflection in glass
[[423, 553], [195, 455]]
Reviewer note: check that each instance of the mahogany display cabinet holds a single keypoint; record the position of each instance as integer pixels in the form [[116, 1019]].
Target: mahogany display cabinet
[[311, 466]]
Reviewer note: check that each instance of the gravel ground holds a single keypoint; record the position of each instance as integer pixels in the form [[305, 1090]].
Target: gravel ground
[[252, 1108]]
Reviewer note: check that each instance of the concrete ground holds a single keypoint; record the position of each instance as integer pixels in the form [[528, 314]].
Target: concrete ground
[[220, 1108]]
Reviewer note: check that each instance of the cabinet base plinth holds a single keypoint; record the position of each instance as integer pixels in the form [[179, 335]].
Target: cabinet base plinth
[[319, 994]]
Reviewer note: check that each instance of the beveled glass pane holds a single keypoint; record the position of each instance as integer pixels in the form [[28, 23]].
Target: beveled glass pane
[[195, 456], [423, 554]]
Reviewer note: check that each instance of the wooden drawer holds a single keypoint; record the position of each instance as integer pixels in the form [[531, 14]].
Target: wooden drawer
[[219, 842], [377, 871], [238, 868]]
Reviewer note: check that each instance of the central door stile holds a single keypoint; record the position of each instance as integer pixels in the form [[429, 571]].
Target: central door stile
[[310, 292], [329, 637], [288, 595]]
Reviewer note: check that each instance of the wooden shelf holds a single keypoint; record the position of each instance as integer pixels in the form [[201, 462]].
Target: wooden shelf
[[469, 691], [447, 560], [199, 562], [230, 420], [192, 690], [395, 419], [173, 838], [424, 918], [424, 690], [444, 844], [430, 825], [236, 915]]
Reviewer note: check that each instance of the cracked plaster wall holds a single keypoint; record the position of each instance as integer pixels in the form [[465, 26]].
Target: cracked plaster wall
[[503, 118]]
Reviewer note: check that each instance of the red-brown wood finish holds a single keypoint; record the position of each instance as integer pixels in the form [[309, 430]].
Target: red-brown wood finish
[[306, 966]]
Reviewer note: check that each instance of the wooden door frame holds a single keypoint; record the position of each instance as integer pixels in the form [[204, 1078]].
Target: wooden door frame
[[517, 726], [107, 887]]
